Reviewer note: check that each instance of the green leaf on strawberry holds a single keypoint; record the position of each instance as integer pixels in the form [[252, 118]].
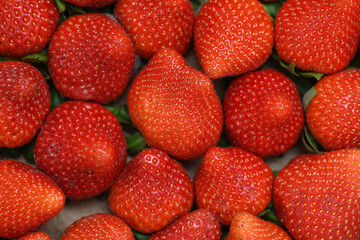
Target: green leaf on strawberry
[[121, 113], [61, 6], [35, 58], [136, 143], [272, 8], [309, 142], [139, 235]]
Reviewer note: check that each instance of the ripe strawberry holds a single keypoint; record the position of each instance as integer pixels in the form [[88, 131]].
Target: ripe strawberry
[[91, 58], [98, 226], [151, 192], [26, 27], [82, 147], [231, 180], [232, 37], [333, 114], [318, 196], [318, 35], [28, 199], [91, 3], [175, 107], [156, 24], [263, 113], [199, 224], [246, 226], [24, 103], [36, 236]]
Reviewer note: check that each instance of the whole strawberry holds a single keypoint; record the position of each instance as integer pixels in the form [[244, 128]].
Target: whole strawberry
[[231, 180], [82, 147], [318, 196], [98, 226], [26, 27], [91, 3], [91, 58], [28, 199], [36, 236], [232, 37], [24, 103], [151, 192], [263, 113], [156, 24], [318, 35]]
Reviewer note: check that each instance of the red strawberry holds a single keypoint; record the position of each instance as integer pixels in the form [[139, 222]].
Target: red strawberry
[[28, 199], [91, 58], [26, 26], [36, 236], [232, 37], [82, 147], [333, 113], [175, 107], [231, 180], [249, 227], [263, 113], [318, 35], [91, 3], [318, 196], [151, 192], [98, 226], [156, 24], [199, 224], [24, 103]]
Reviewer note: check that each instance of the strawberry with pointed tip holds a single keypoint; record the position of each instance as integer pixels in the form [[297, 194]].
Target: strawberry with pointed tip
[[35, 236]]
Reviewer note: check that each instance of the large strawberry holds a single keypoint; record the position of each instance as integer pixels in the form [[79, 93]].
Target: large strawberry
[[91, 58], [156, 24], [91, 3], [151, 192], [231, 180], [175, 107], [318, 196], [318, 35], [24, 103], [35, 236], [28, 199], [82, 147], [232, 37], [263, 113]]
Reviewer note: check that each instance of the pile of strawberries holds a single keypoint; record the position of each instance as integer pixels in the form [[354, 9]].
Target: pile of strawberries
[[65, 65]]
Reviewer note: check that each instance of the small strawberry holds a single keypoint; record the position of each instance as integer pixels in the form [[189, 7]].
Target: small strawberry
[[231, 180], [151, 192], [156, 24], [91, 58], [175, 107], [82, 147], [318, 196], [318, 35], [28, 199], [263, 113], [199, 224], [36, 236], [24, 103], [232, 37], [91, 3]]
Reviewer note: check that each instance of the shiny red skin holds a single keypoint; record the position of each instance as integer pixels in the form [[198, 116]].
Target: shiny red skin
[[91, 3], [35, 236]]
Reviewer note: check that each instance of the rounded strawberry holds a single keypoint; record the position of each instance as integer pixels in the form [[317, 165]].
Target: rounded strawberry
[[91, 3], [231, 180], [28, 199], [156, 24], [36, 236], [82, 147], [232, 37], [263, 113], [151, 192], [91, 58], [318, 35], [24, 103]]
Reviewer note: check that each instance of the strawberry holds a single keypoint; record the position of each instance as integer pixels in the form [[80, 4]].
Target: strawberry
[[91, 58], [318, 196], [199, 224], [246, 226], [232, 37], [24, 103], [152, 191], [28, 199], [91, 3], [175, 107], [156, 24], [98, 226], [318, 35], [332, 115], [36, 236], [263, 113], [26, 27], [82, 147], [231, 180]]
